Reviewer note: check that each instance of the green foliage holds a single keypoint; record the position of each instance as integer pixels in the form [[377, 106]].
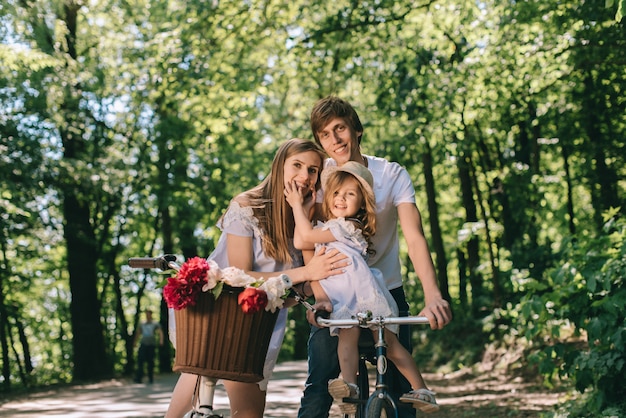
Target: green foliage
[[460, 344], [587, 291], [621, 8], [180, 105]]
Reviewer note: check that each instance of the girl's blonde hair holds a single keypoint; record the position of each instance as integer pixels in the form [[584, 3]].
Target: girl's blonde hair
[[366, 214], [269, 205]]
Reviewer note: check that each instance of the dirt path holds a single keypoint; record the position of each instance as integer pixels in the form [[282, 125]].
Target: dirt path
[[461, 394], [489, 395]]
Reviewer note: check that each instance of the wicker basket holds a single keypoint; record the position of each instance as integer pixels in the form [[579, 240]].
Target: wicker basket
[[215, 338]]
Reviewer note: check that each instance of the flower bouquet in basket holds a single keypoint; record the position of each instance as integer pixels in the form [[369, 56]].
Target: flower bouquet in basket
[[224, 319], [198, 275]]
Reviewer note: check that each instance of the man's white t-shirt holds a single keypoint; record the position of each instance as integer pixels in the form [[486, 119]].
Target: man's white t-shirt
[[392, 186]]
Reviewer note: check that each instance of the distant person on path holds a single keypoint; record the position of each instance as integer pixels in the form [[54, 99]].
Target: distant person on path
[[349, 211], [148, 333]]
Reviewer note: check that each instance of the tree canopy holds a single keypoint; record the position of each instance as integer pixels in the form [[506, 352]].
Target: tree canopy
[[127, 126]]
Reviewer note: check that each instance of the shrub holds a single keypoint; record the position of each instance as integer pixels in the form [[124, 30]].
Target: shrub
[[587, 291]]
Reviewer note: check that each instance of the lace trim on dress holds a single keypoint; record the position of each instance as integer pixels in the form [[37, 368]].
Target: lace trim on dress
[[239, 214], [345, 231]]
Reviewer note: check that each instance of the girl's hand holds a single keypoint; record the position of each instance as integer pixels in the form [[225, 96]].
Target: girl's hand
[[322, 306], [293, 195], [309, 201]]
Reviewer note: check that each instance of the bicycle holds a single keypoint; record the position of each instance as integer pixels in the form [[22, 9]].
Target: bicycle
[[379, 401], [204, 392], [372, 407]]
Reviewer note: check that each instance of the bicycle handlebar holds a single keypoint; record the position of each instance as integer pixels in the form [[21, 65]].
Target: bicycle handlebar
[[362, 319], [164, 262], [365, 320]]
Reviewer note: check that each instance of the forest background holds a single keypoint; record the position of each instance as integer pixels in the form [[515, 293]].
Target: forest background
[[127, 125]]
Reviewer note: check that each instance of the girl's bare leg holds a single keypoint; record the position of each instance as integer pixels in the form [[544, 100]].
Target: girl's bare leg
[[348, 352], [403, 361], [181, 401], [247, 400], [322, 300]]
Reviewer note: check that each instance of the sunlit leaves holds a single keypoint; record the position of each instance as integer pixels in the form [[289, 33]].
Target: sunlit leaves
[[181, 104]]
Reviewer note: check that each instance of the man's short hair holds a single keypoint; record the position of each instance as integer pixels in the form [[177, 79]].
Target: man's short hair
[[331, 107]]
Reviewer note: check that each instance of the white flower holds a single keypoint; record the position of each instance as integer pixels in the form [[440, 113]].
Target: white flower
[[214, 276], [235, 277], [276, 287]]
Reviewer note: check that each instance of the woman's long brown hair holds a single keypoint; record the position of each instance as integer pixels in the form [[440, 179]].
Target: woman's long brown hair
[[269, 205]]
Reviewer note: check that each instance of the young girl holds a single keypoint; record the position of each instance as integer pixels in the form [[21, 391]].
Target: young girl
[[349, 208]]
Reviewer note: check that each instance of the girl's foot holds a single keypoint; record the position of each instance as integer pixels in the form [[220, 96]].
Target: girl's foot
[[339, 389], [422, 399]]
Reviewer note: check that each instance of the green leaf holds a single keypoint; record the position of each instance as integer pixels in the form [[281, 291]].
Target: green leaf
[[592, 284], [594, 328], [217, 290], [620, 10]]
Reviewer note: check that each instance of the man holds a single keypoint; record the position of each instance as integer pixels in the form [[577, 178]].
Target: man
[[148, 332], [337, 128]]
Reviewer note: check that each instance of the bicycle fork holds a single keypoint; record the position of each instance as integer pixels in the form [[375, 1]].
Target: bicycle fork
[[381, 391]]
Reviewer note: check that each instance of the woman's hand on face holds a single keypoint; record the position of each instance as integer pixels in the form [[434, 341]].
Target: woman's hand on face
[[327, 263]]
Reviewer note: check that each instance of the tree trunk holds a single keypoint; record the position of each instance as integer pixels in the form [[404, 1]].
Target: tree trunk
[[90, 360], [472, 261], [441, 261], [497, 286], [603, 178], [4, 328], [569, 189]]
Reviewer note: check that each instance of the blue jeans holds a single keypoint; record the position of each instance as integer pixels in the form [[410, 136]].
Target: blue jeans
[[324, 366]]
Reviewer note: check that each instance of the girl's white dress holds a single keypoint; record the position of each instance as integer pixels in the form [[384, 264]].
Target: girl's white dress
[[360, 288]]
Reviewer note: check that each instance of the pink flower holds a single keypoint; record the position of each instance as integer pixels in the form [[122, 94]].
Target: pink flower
[[252, 300]]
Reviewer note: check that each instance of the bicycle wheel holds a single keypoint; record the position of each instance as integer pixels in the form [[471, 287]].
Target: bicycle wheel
[[379, 408]]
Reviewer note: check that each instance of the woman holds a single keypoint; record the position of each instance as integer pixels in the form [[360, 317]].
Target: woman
[[257, 237]]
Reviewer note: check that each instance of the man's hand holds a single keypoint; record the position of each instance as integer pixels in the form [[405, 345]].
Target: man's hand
[[438, 313], [323, 306]]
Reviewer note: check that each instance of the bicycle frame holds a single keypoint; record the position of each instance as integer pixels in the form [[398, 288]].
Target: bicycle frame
[[380, 396]]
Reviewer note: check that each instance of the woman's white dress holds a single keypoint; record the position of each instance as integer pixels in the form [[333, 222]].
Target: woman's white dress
[[240, 221], [360, 288]]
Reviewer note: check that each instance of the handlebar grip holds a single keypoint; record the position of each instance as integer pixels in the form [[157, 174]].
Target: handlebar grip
[[320, 313], [162, 262], [143, 262]]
